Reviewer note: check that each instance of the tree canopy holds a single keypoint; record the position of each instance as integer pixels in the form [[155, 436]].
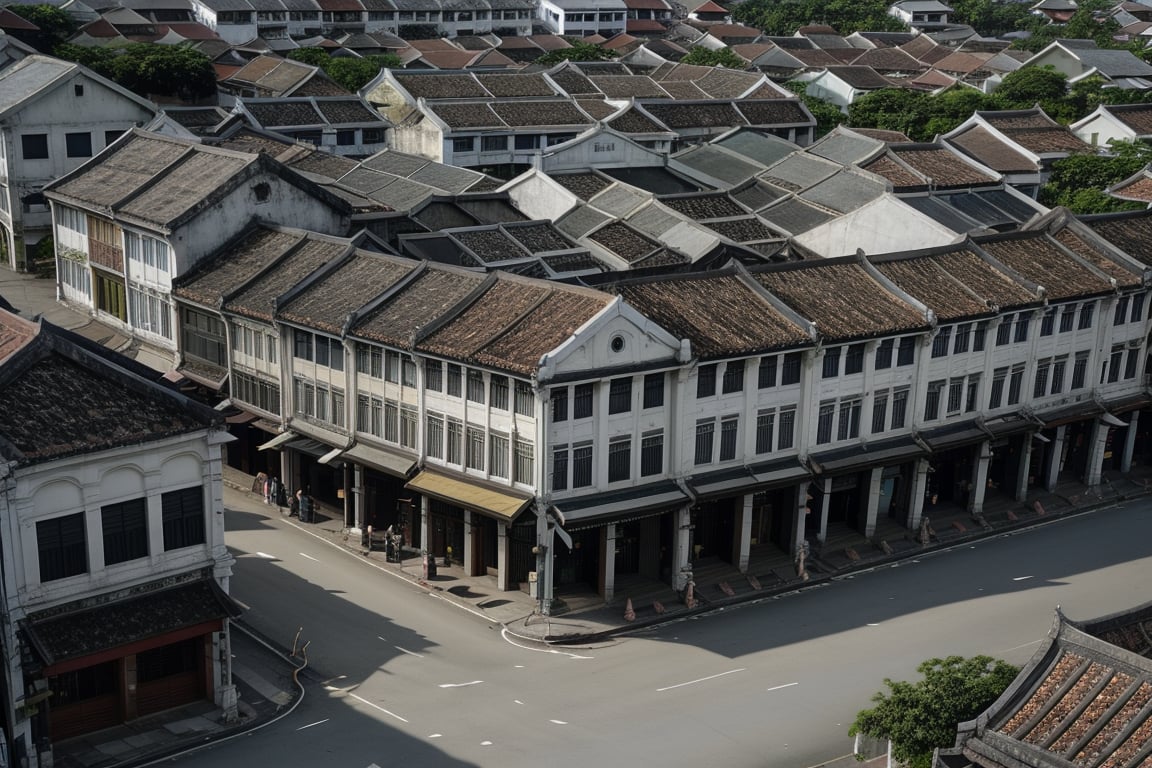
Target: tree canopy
[[919, 717], [349, 72], [55, 25], [1078, 182], [578, 52], [827, 115], [847, 16], [149, 69], [722, 57]]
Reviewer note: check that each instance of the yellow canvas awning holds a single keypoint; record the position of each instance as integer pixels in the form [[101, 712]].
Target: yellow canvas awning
[[500, 504]]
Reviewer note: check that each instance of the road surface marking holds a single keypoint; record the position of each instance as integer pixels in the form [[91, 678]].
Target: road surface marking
[[377, 706], [381, 638], [460, 685], [508, 635], [410, 653], [434, 735], [558, 722], [871, 625], [1018, 647], [517, 701], [786, 685], [485, 743], [701, 680], [266, 556], [1023, 578], [309, 557], [318, 722]]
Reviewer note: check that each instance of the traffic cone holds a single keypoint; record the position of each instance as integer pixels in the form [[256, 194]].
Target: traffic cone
[[629, 614]]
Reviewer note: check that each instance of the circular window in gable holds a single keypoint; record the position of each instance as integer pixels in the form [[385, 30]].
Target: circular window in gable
[[617, 343]]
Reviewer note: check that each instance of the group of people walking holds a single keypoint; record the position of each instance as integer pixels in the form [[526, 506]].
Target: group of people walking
[[300, 504]]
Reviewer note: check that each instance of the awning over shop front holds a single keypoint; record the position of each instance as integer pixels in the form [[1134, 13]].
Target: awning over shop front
[[749, 479], [1057, 417], [1129, 403], [780, 472], [280, 439], [621, 506], [1006, 426], [331, 456], [858, 457], [955, 436], [380, 459], [313, 448], [67, 640], [205, 374], [488, 500]]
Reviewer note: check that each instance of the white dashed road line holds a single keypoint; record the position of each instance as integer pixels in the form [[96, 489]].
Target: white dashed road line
[[786, 685], [460, 685], [318, 722], [309, 557], [363, 700], [701, 680]]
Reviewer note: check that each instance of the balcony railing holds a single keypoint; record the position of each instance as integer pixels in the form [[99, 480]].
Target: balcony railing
[[107, 256]]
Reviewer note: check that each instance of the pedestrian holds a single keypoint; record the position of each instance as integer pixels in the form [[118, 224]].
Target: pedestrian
[[267, 490], [274, 490], [306, 507], [294, 505]]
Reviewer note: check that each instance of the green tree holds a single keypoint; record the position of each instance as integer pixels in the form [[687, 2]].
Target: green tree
[[55, 25], [316, 57], [1078, 182], [352, 74], [578, 52], [149, 69], [847, 16], [948, 109], [722, 57], [919, 717], [1029, 86], [892, 109], [989, 18], [827, 115]]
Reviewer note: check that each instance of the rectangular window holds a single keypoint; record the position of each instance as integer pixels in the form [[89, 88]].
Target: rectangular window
[[654, 390], [848, 426], [150, 313], [1040, 385], [434, 375], [979, 334], [1116, 359], [183, 518], [525, 399], [409, 426], [1048, 322], [531, 141], [454, 447], [1023, 320], [454, 379], [560, 468], [434, 435], [321, 402], [475, 457], [362, 413], [705, 432], [940, 344], [302, 345], [582, 466], [1015, 384], [733, 376], [582, 401], [1067, 318], [955, 394], [1058, 368], [729, 431], [497, 391], [879, 412], [1086, 310], [377, 417], [824, 422], [1004, 331], [932, 401], [525, 466], [78, 144], [831, 366], [35, 147], [620, 395], [392, 367], [854, 359], [463, 144], [498, 455], [321, 351], [62, 547], [377, 364], [963, 331], [407, 369], [996, 395], [884, 354], [493, 143], [125, 528], [766, 376], [476, 386], [559, 397], [765, 424], [706, 381], [1120, 314], [652, 454], [906, 352], [1080, 370], [1131, 363], [790, 371], [619, 459], [899, 408], [973, 393], [787, 437], [1137, 308]]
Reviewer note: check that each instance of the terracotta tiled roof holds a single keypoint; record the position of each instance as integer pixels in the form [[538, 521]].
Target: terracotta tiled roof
[[503, 86], [628, 86], [258, 300], [901, 178], [326, 304], [539, 113], [1035, 131], [864, 78], [990, 284], [889, 60], [684, 115], [1139, 189], [437, 86], [979, 143], [1131, 233], [705, 206], [634, 121], [1038, 258], [842, 299], [944, 293], [1090, 252], [432, 293], [520, 347], [721, 315], [574, 82], [1137, 117], [773, 111], [235, 264], [624, 241], [942, 166], [583, 185], [15, 332], [683, 89]]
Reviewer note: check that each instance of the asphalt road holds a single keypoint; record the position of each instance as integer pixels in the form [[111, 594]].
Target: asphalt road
[[400, 677]]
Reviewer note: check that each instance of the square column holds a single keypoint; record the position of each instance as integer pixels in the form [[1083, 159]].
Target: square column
[[358, 500], [1096, 443], [1129, 442], [796, 539], [1055, 454], [502, 580], [608, 562], [919, 489], [1023, 468], [743, 533], [425, 504], [875, 476], [682, 534], [469, 550], [979, 480], [825, 502]]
